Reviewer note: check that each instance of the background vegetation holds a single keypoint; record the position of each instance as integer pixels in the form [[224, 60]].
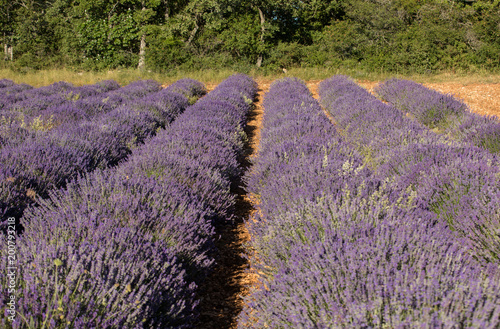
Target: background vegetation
[[164, 36]]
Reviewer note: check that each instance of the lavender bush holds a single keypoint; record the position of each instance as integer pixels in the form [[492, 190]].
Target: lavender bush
[[201, 148], [6, 83], [34, 167], [190, 88], [12, 132], [141, 203], [398, 274], [482, 131], [96, 280], [9, 95], [61, 103]]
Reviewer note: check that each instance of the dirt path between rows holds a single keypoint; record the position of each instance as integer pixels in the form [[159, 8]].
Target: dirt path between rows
[[222, 293]]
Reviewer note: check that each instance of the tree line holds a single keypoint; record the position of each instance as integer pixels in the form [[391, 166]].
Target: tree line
[[161, 35]]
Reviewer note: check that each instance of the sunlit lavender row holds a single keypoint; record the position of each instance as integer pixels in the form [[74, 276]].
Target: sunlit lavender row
[[443, 113], [458, 182], [35, 162], [126, 247], [28, 112], [62, 105], [341, 246], [40, 109]]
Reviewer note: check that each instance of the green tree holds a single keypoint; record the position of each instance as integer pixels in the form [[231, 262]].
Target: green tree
[[7, 12], [113, 33], [35, 43]]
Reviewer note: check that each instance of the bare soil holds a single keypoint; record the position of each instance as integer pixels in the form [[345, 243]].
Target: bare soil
[[222, 294]]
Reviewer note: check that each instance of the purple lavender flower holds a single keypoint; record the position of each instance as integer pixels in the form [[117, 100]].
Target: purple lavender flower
[[32, 167], [6, 83], [440, 174]]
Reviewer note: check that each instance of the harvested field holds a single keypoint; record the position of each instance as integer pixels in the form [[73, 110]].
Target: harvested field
[[483, 99]]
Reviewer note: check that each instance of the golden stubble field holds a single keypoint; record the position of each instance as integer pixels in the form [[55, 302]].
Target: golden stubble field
[[482, 98]]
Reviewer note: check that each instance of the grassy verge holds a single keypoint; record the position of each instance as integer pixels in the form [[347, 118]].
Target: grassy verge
[[125, 76]]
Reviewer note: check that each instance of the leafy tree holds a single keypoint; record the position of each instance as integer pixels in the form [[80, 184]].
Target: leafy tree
[[418, 35], [6, 22]]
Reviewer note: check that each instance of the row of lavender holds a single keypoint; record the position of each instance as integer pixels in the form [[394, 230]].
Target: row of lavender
[[41, 161], [442, 113], [458, 182], [336, 249], [127, 247], [25, 110]]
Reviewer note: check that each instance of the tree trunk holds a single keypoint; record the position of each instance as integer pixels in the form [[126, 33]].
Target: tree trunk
[[193, 33], [142, 53], [142, 50], [5, 46], [262, 31], [259, 61], [167, 10]]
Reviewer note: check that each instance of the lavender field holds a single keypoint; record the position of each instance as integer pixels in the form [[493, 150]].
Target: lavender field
[[369, 219], [369, 212]]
